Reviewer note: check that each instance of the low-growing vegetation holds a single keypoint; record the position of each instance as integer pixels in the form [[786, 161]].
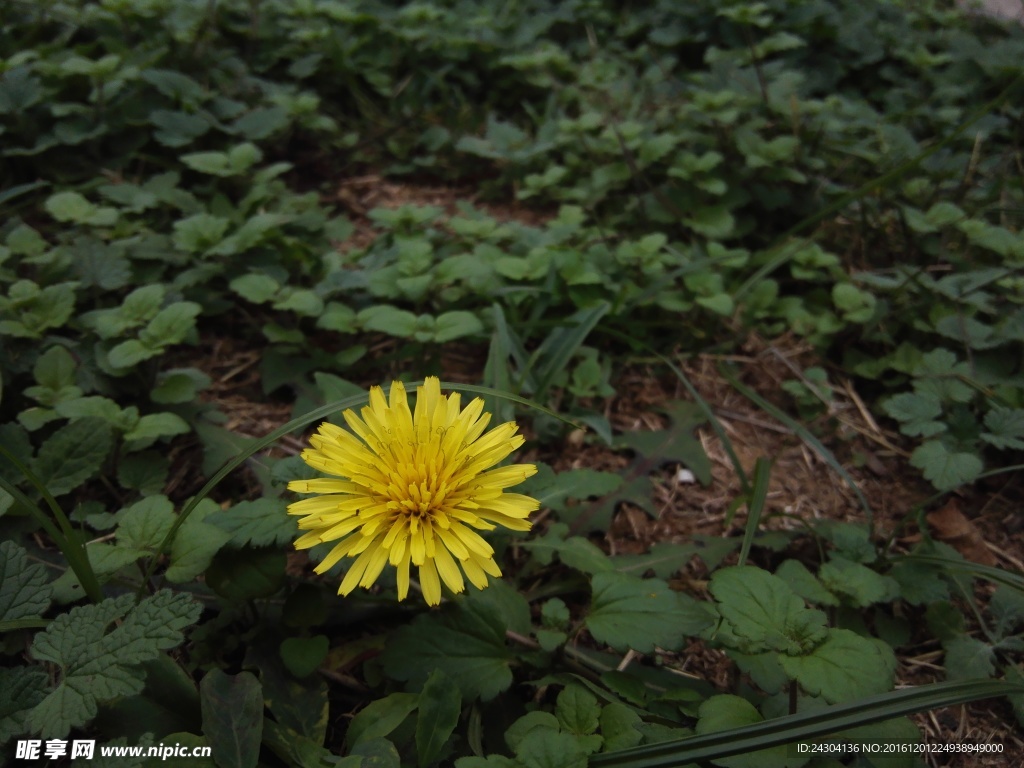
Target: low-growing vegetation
[[221, 222]]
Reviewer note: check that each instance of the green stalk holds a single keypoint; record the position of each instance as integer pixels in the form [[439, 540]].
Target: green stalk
[[63, 536]]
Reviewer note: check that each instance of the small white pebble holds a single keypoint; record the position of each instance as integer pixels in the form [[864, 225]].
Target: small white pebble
[[685, 476]]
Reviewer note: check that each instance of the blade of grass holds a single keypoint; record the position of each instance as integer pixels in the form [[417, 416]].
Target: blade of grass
[[987, 572], [805, 726], [755, 505], [63, 534], [803, 433], [555, 352]]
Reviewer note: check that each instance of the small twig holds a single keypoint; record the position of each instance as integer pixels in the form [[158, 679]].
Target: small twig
[[522, 640]]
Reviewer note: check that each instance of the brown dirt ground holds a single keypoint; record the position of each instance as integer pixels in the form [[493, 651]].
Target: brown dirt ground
[[984, 524]]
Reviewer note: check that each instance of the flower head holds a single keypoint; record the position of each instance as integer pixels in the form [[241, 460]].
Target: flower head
[[412, 489]]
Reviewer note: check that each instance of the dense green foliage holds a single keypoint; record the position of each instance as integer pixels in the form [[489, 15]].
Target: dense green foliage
[[847, 172]]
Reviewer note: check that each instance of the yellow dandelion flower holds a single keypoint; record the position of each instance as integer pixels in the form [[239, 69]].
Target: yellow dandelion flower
[[412, 489]]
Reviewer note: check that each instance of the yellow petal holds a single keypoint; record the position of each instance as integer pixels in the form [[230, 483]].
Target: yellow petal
[[356, 571], [316, 505], [403, 575], [449, 571], [378, 560], [452, 542], [323, 485], [473, 541], [474, 573], [430, 584], [342, 549]]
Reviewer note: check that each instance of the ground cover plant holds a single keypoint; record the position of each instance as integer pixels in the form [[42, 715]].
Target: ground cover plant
[[201, 263]]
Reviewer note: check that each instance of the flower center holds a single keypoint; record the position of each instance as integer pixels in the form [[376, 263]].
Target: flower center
[[416, 492]]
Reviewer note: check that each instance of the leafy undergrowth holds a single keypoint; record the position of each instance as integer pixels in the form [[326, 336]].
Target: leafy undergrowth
[[222, 221]]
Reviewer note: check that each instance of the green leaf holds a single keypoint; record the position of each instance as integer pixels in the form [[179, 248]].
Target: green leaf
[[145, 472], [261, 123], [388, 319], [843, 668], [551, 749], [55, 369], [628, 612], [380, 717], [106, 559], [145, 523], [92, 407], [723, 712], [212, 163], [262, 522], [97, 665], [156, 425], [1005, 428], [195, 544], [455, 325], [762, 612], [619, 727], [968, 658], [255, 287], [855, 305], [376, 753], [945, 468], [916, 412], [527, 726], [714, 222], [232, 707], [24, 586], [199, 232], [577, 710], [130, 353], [304, 655], [70, 207], [301, 301], [676, 444], [554, 490], [179, 386], [21, 690], [142, 304], [337, 317], [301, 705], [465, 640], [176, 129], [858, 583], [170, 325], [72, 455], [440, 705], [19, 90], [804, 583], [246, 574], [1007, 608]]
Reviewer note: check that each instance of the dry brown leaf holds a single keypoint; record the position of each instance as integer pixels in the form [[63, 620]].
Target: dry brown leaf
[[952, 527]]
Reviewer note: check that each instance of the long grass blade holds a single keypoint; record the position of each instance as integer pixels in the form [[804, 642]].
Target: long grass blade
[[555, 352], [63, 534], [805, 726], [979, 571], [755, 505]]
